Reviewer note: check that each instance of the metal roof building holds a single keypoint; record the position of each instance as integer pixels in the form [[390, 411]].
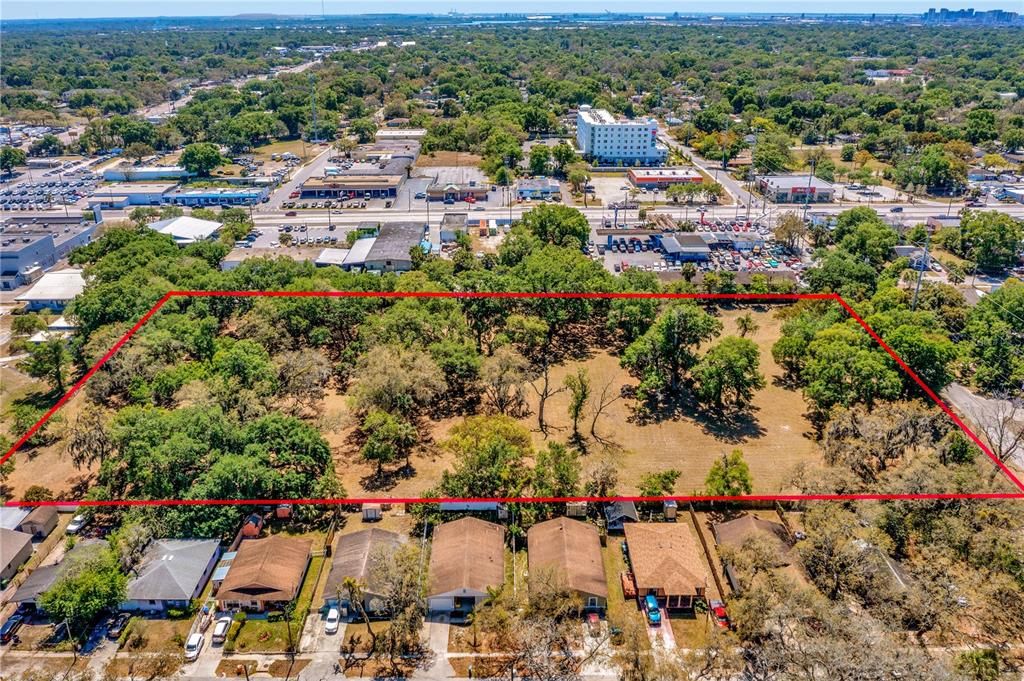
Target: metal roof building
[[390, 250], [54, 290]]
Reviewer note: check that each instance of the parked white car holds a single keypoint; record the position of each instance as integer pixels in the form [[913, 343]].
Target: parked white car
[[220, 629], [333, 621], [193, 646], [76, 524]]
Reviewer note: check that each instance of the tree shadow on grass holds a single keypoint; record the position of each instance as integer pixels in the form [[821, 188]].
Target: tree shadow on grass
[[731, 425]]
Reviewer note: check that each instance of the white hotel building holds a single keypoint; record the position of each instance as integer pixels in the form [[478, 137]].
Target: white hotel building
[[604, 139]]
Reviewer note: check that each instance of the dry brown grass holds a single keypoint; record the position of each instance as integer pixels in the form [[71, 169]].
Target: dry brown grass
[[448, 158], [774, 434], [232, 667]]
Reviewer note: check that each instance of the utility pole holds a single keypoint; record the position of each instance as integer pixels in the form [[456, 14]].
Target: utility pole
[[810, 179], [920, 273], [312, 103]]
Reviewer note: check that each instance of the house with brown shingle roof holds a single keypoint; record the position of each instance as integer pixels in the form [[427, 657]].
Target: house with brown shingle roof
[[354, 556], [737, 532], [467, 557], [668, 563], [569, 550], [266, 574]]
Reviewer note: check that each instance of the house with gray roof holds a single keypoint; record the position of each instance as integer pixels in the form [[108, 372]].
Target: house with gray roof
[[172, 574]]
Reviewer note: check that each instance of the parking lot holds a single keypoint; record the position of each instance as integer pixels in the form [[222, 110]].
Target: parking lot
[[642, 252], [43, 194]]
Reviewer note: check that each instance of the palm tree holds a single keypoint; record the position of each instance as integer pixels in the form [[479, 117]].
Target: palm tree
[[746, 325]]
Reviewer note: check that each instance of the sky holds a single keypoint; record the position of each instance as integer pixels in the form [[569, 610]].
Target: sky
[[59, 9]]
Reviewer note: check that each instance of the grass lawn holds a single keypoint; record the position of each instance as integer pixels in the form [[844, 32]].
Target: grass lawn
[[287, 146], [161, 635], [357, 639], [620, 611], [261, 636], [448, 159], [690, 631], [773, 434]]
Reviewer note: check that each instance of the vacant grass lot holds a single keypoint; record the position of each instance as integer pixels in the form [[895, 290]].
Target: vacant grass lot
[[773, 434], [448, 158]]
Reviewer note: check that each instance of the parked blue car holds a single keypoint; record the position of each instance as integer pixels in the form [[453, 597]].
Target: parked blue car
[[653, 610]]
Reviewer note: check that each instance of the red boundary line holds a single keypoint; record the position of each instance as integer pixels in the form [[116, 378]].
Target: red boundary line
[[750, 297]]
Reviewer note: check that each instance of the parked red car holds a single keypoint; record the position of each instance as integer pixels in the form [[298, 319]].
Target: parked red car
[[718, 614]]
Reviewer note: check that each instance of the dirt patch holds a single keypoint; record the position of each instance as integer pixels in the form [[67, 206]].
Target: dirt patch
[[483, 667], [376, 669], [285, 668], [142, 666], [233, 668], [448, 158]]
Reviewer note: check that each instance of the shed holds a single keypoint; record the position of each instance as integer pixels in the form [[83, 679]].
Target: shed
[[40, 522], [617, 514]]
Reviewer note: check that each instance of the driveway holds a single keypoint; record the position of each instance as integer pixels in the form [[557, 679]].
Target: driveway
[[991, 417], [436, 627]]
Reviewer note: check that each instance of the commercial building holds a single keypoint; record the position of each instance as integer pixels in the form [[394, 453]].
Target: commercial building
[[54, 290], [937, 222], [606, 140], [685, 247], [380, 175], [453, 224], [390, 251], [392, 134], [467, 557], [172, 574], [795, 189], [218, 196], [124, 195], [31, 244], [663, 178], [569, 552], [538, 188], [186, 230], [128, 172]]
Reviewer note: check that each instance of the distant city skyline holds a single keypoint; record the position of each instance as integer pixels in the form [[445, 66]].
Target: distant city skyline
[[68, 9]]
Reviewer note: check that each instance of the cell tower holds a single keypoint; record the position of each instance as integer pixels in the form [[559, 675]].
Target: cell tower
[[312, 104]]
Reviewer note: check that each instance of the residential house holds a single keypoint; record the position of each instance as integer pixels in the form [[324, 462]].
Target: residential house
[[172, 574], [668, 563], [40, 522], [736, 533], [467, 558], [568, 549], [617, 514], [15, 549], [266, 574], [42, 578], [354, 557]]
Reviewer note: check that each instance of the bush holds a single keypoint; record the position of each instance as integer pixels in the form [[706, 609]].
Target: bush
[[234, 630], [239, 617], [275, 616], [178, 613]]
